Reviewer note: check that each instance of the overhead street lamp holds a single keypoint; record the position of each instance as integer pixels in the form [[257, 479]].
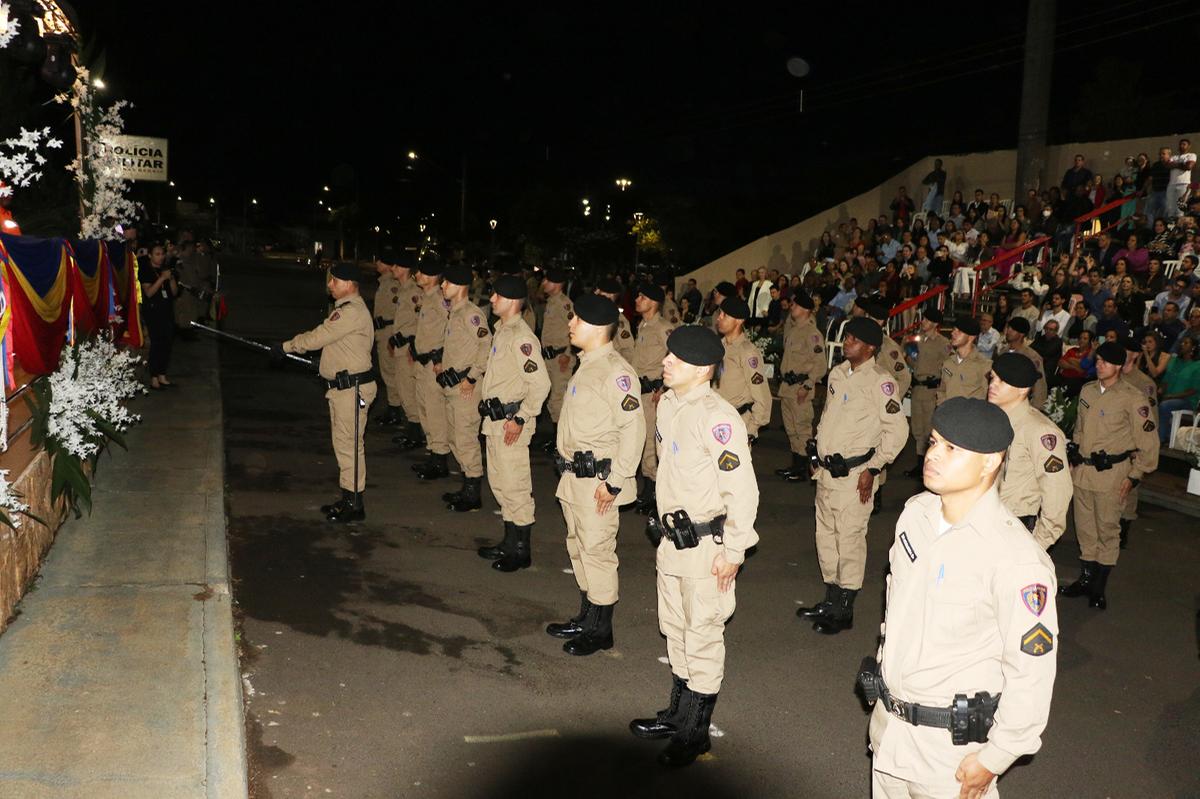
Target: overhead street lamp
[[492, 224], [624, 183]]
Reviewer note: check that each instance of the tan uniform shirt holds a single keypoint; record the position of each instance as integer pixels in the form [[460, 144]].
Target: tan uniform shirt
[[386, 298], [345, 339], [1145, 384], [1035, 480], [602, 412], [624, 342], [670, 312], [966, 377], [803, 352], [704, 468], [861, 412], [932, 351], [515, 372], [651, 347], [408, 299], [969, 610], [1115, 420], [891, 358], [432, 310], [554, 322], [468, 341], [743, 381]]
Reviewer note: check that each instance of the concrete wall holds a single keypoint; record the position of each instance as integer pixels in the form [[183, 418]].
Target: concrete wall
[[786, 250]]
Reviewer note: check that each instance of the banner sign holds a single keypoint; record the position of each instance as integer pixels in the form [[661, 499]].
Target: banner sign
[[141, 157]]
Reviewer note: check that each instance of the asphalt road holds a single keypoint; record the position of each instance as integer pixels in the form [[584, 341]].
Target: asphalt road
[[388, 660]]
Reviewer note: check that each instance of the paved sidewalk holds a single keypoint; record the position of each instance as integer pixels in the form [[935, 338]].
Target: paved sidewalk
[[119, 677]]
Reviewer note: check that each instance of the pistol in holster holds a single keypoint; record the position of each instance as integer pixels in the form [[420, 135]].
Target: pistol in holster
[[810, 449]]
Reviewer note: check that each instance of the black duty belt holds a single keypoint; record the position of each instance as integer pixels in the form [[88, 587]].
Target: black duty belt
[[792, 378], [650, 386], [584, 464], [553, 352], [400, 340], [835, 464], [344, 380], [969, 720], [1102, 461], [1029, 521], [492, 408], [423, 358], [684, 533], [744, 408], [928, 382], [381, 323]]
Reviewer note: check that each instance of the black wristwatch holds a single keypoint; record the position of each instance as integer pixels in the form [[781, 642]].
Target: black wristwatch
[[874, 472], [612, 490], [1134, 482], [471, 380], [517, 419]]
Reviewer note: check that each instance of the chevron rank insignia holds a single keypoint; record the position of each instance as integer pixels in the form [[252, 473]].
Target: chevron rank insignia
[[757, 379], [482, 332], [727, 461], [630, 403], [530, 367], [1053, 464], [892, 406], [1037, 641], [1148, 427], [816, 350]]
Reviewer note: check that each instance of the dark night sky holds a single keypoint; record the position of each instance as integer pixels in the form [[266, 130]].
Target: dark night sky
[[267, 99]]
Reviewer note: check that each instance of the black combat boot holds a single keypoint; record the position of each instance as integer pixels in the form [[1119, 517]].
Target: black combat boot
[[469, 499], [433, 467], [646, 502], [352, 511], [841, 617], [801, 471], [347, 497], [798, 463], [549, 439], [666, 722], [1125, 525], [1082, 586], [496, 551], [411, 438], [691, 739], [1096, 598], [394, 417], [597, 632], [822, 609], [878, 506], [573, 626], [519, 556], [453, 496]]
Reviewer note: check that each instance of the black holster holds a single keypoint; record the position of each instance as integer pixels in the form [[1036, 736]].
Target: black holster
[[810, 449], [1073, 456], [449, 378]]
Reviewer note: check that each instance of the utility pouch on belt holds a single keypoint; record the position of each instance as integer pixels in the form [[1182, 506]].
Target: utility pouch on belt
[[867, 673], [685, 533], [342, 380], [492, 408], [584, 464], [1073, 456], [449, 378], [836, 464], [792, 378], [810, 449], [654, 529]]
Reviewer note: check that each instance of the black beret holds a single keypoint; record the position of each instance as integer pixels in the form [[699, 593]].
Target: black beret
[[609, 285], [652, 292], [1019, 324], [556, 275], [1015, 369], [726, 289], [596, 310], [802, 299], [696, 345], [735, 307], [1112, 352], [346, 272], [510, 287], [458, 274], [968, 325], [934, 315], [430, 267], [973, 424], [865, 330]]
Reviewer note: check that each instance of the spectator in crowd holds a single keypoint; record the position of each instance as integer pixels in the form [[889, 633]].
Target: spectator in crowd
[[1082, 320], [978, 206], [1157, 179], [1077, 175], [159, 290], [1120, 271], [1003, 310], [902, 208], [936, 183], [1049, 344], [1106, 251], [1078, 364], [1187, 268], [941, 267], [845, 296], [1178, 294], [694, 301], [759, 297], [774, 315], [888, 248], [1154, 281], [1137, 257], [1160, 243], [1152, 360], [741, 284], [1028, 309], [1111, 320], [1170, 326], [1180, 389], [1192, 330], [989, 336], [1030, 279], [826, 250], [1130, 304], [1055, 312], [1180, 179]]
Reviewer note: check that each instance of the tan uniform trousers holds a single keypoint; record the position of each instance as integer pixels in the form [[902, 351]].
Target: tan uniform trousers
[[388, 368], [885, 786], [921, 423], [797, 417], [559, 377], [592, 546], [431, 405], [1098, 525], [509, 477], [406, 382], [341, 423], [1129, 509], [842, 533], [462, 425], [692, 615], [649, 450]]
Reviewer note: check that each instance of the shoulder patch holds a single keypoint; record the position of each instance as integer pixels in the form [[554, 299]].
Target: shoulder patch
[[1053, 464], [416, 308], [414, 299], [888, 388], [1049, 440], [475, 320], [1148, 426], [336, 315], [630, 403], [530, 366], [527, 349], [895, 355], [1037, 641], [727, 461], [757, 379], [395, 289], [1144, 412], [674, 320], [753, 361], [624, 382], [817, 350], [899, 367], [892, 406], [624, 334], [1034, 597], [482, 332], [722, 433]]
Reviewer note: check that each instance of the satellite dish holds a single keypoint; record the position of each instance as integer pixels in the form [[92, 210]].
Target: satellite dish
[[797, 67]]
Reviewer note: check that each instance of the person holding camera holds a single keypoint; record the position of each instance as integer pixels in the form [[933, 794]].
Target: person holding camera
[[514, 387], [966, 667], [599, 441], [708, 498], [862, 430]]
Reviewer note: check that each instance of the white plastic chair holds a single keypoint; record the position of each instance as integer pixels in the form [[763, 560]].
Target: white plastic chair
[[1177, 422], [1169, 268]]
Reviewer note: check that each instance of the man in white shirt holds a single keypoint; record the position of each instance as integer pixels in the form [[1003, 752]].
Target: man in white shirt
[[1181, 177], [989, 337], [1056, 312], [758, 297]]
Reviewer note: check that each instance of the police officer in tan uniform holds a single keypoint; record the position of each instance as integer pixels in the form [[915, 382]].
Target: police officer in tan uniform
[[965, 371], [967, 663], [1115, 444], [1034, 481], [514, 387], [1016, 339], [649, 350], [801, 368], [862, 429], [1145, 384], [556, 344], [465, 352], [600, 437], [403, 330], [743, 381], [891, 358], [623, 343], [932, 350], [426, 352], [387, 297], [708, 499], [345, 340]]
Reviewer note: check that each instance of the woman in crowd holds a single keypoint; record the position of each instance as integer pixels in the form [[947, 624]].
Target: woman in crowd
[[1003, 311], [159, 290], [1160, 242], [1015, 239], [1152, 360], [1155, 279], [1130, 305], [825, 247], [1180, 387], [1078, 364], [1135, 255], [1119, 273], [1120, 190]]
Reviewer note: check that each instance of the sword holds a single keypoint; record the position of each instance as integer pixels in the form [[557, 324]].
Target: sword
[[258, 345]]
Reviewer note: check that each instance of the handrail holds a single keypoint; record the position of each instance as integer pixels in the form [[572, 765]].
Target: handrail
[[1039, 241], [1095, 212]]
